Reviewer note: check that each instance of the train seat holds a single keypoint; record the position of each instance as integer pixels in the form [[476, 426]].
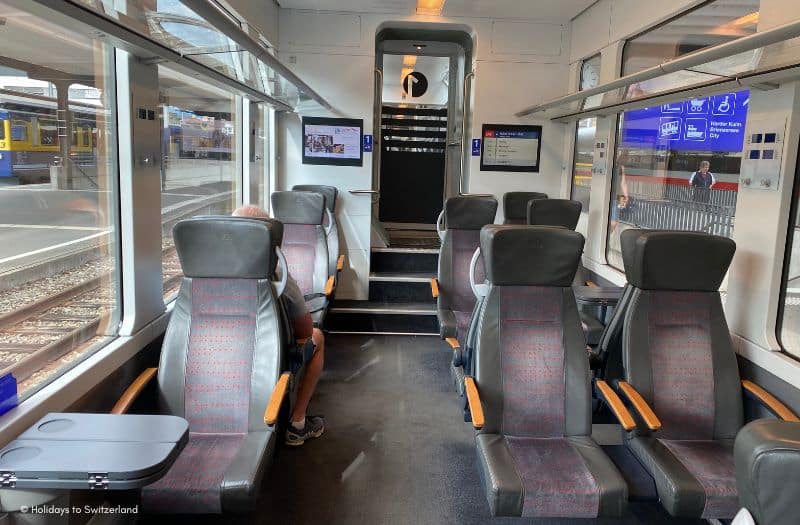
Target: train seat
[[681, 370], [305, 246], [335, 260], [767, 458], [515, 205], [530, 398], [463, 218], [221, 367], [566, 213]]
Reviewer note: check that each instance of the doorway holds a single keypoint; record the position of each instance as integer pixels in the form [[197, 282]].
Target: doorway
[[420, 96]]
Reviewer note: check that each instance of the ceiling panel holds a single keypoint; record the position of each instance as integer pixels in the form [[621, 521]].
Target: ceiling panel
[[516, 9]]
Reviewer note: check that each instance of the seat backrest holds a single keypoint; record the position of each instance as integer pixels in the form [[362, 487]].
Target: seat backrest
[[554, 212], [676, 347], [463, 217], [530, 358], [304, 243], [330, 193], [515, 205], [767, 458], [223, 349]]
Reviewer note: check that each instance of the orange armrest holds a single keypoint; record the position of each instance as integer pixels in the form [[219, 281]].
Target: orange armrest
[[768, 400], [276, 399], [453, 342], [132, 392], [615, 403], [340, 263], [434, 287], [640, 405], [329, 286], [474, 400]]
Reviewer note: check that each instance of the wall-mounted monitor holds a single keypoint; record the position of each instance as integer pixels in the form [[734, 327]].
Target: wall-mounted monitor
[[333, 141], [510, 147]]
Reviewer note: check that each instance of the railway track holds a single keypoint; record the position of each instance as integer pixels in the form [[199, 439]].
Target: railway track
[[40, 333]]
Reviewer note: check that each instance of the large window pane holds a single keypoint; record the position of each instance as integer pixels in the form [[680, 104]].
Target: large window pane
[[58, 228], [199, 173], [659, 181]]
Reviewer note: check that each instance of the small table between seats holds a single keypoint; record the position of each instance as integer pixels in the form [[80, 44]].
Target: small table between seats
[[76, 451], [602, 296]]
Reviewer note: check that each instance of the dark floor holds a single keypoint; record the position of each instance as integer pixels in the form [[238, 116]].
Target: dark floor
[[396, 449]]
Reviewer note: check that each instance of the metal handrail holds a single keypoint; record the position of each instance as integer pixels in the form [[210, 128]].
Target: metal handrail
[[467, 78]]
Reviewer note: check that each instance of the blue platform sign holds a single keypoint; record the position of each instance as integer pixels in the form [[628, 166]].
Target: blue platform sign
[[714, 123], [8, 393], [476, 147], [367, 143]]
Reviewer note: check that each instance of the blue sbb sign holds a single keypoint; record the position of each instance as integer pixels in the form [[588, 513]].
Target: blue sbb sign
[[476, 147], [367, 143]]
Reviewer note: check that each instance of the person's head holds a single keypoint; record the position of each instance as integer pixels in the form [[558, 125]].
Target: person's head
[[704, 166], [250, 210]]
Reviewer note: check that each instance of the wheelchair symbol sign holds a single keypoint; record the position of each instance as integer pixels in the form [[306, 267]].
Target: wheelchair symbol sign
[[724, 104]]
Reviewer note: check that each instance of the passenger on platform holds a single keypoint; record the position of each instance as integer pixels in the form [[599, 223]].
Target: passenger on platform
[[302, 426], [701, 182]]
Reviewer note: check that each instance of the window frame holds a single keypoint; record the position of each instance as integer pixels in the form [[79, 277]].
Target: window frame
[[584, 61], [794, 208]]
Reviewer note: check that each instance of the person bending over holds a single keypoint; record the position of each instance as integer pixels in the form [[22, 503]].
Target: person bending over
[[302, 426]]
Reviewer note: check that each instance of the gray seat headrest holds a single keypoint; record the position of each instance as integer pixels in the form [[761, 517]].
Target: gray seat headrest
[[554, 212], [530, 255], [675, 260], [330, 193], [298, 207], [469, 213], [225, 247], [275, 225], [515, 203]]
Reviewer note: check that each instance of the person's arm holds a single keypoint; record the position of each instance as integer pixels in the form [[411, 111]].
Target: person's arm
[[692, 179], [623, 182]]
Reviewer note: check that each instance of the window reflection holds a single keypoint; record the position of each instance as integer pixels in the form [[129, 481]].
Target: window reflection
[[199, 174]]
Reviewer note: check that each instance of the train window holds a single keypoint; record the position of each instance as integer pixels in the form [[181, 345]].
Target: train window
[[199, 174], [677, 167], [59, 298], [583, 157], [712, 23], [789, 310], [19, 131]]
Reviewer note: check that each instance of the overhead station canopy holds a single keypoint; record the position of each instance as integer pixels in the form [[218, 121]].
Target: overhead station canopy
[[203, 32], [759, 61]]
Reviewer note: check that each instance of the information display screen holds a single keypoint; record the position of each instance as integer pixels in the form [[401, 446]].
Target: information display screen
[[509, 147], [332, 141], [715, 123]]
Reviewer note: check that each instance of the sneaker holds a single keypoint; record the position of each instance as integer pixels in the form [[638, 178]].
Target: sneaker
[[313, 428]]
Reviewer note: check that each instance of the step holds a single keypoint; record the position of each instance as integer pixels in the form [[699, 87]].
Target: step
[[379, 317], [382, 308], [401, 287], [404, 260]]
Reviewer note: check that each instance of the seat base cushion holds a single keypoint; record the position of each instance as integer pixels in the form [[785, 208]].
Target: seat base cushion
[[214, 473], [549, 477], [694, 479]]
